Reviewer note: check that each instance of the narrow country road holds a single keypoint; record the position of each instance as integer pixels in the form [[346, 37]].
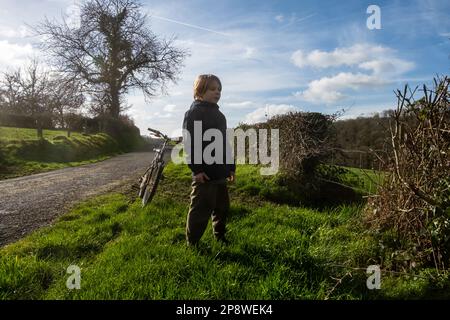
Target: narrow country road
[[28, 203]]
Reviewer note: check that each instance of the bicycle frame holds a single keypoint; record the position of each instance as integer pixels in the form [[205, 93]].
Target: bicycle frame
[[149, 180], [159, 152]]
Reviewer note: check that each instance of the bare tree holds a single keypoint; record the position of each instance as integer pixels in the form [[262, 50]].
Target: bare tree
[[112, 51], [2, 99], [65, 98], [27, 92], [10, 92]]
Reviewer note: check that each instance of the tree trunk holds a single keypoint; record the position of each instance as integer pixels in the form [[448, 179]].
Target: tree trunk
[[115, 103], [40, 133]]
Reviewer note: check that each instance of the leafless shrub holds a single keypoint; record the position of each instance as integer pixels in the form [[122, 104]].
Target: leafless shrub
[[414, 200], [304, 140]]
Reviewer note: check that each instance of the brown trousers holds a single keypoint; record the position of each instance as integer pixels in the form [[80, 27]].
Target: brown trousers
[[207, 199]]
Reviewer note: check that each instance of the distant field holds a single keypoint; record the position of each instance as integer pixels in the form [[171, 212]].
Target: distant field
[[364, 180]]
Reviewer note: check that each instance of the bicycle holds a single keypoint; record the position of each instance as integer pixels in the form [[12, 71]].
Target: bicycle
[[148, 182]]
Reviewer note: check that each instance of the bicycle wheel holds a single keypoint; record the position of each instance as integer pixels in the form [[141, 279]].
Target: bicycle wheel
[[152, 183], [143, 182]]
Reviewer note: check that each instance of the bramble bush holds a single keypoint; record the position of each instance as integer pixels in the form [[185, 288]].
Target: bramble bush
[[305, 143], [413, 203]]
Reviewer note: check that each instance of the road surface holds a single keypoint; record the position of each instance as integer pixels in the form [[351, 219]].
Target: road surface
[[30, 202]]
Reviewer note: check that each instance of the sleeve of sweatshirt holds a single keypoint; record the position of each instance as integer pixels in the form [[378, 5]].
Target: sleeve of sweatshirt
[[188, 129]]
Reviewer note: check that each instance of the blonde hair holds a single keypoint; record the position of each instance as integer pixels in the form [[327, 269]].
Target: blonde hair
[[203, 82]]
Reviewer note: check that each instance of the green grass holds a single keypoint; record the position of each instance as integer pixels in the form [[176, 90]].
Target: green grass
[[364, 180], [22, 153], [10, 133], [276, 252]]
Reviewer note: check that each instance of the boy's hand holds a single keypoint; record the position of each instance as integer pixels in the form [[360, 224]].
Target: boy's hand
[[232, 177], [201, 177]]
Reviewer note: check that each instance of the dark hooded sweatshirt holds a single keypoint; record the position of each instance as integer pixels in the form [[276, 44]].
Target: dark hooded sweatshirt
[[211, 118]]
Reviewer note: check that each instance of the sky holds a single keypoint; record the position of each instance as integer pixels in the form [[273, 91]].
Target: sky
[[272, 56]]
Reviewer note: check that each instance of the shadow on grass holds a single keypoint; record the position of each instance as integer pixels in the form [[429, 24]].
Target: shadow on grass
[[334, 195], [309, 277], [312, 193]]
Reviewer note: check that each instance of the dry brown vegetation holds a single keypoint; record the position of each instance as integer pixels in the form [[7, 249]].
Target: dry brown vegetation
[[413, 204], [305, 140]]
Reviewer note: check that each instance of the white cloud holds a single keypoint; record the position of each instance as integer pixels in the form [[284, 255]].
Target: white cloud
[[349, 56], [381, 61], [159, 113], [169, 108], [162, 115], [14, 55], [9, 32], [270, 110], [388, 66], [238, 105], [327, 89], [377, 58]]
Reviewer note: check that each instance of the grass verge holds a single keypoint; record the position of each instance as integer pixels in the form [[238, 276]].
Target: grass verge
[[21, 153], [276, 252]]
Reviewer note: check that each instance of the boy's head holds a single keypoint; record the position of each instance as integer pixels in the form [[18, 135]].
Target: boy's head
[[207, 87]]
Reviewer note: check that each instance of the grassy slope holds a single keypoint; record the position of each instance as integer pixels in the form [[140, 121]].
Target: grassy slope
[[362, 179], [126, 252], [9, 133], [21, 153]]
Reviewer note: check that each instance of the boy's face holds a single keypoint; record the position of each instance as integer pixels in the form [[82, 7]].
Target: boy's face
[[212, 94]]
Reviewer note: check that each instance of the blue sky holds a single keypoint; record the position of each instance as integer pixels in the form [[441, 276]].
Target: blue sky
[[273, 56]]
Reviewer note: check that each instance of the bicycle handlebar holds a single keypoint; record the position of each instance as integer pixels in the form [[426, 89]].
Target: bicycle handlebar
[[158, 133]]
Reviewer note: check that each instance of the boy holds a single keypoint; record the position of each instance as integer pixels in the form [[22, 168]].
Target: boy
[[209, 196]]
